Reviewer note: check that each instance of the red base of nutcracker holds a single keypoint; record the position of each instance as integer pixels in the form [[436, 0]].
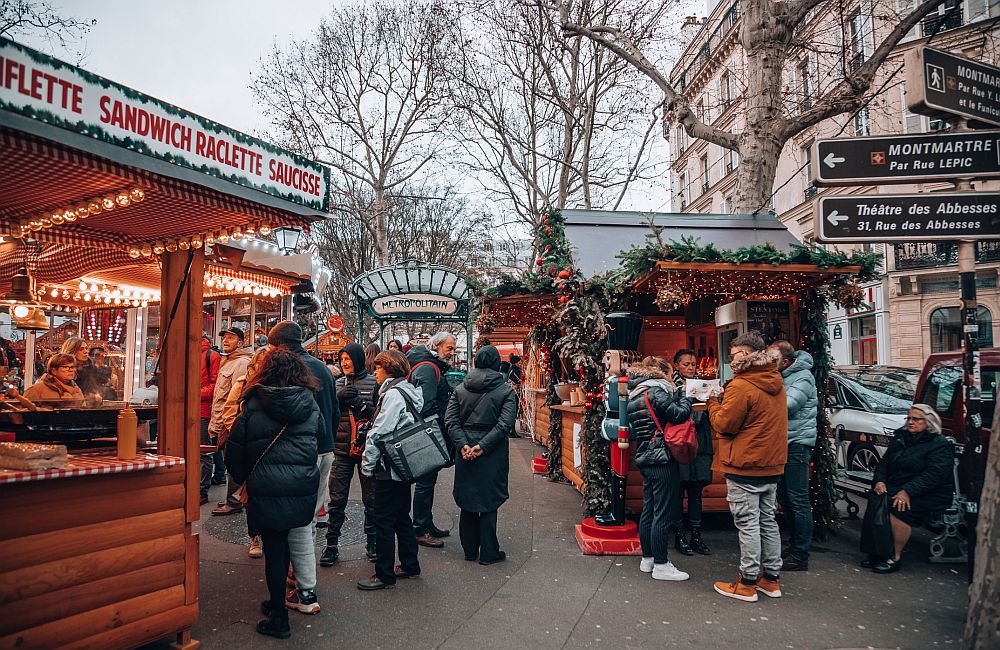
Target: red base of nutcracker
[[608, 540], [539, 464]]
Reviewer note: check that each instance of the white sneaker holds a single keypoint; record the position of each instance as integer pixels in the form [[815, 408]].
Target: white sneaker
[[668, 572], [646, 565]]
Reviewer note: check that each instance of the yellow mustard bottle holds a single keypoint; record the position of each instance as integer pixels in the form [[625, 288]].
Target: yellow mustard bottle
[[127, 425]]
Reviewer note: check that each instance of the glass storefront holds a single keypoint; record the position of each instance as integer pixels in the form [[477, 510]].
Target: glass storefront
[[864, 341]]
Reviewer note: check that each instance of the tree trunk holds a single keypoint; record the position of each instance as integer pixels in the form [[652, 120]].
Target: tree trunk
[[381, 230], [765, 40], [982, 626]]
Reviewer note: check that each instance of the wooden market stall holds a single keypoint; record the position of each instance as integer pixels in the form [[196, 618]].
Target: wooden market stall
[[103, 183], [699, 302]]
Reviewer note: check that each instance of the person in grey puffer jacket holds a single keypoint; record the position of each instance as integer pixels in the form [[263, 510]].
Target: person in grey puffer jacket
[[793, 487]]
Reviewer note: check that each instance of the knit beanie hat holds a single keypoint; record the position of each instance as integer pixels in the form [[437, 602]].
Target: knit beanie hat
[[285, 332]]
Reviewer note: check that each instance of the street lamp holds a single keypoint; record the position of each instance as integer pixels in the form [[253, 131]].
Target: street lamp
[[288, 239]]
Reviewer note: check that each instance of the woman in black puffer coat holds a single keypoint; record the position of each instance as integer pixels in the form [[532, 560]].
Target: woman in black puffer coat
[[480, 417], [698, 474], [651, 394], [273, 448]]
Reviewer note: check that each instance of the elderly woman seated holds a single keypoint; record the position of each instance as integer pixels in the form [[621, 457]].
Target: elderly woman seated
[[917, 474], [58, 383]]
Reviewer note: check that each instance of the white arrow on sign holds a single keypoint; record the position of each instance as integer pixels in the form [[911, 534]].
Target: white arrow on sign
[[831, 160], [835, 217]]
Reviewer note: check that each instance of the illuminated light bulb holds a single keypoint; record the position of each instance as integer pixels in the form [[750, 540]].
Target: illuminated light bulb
[[223, 236], [196, 242], [146, 250], [116, 294], [137, 195], [158, 248], [265, 229], [35, 225], [83, 285], [56, 218], [123, 199], [87, 297], [256, 291], [210, 240], [127, 293], [118, 301], [184, 245], [108, 203], [45, 221], [249, 231], [229, 286], [210, 283], [237, 235], [21, 311], [69, 216], [145, 303], [83, 211], [171, 247], [134, 252], [94, 208], [65, 294], [135, 303], [107, 300], [55, 292]]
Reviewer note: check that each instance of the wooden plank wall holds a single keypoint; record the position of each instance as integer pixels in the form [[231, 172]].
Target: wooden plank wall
[[94, 561], [541, 420]]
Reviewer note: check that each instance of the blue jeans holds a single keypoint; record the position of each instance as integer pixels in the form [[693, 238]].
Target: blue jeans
[[793, 495]]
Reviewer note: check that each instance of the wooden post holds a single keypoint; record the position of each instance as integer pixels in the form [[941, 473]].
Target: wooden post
[[180, 393]]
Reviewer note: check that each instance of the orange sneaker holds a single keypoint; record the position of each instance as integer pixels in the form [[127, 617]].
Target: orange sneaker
[[738, 590], [769, 587]]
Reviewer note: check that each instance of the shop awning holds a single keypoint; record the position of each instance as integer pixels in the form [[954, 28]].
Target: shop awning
[[598, 236], [736, 281]]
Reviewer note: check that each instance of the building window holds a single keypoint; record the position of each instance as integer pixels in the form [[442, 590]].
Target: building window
[[805, 87], [685, 190], [725, 90], [732, 160], [863, 123], [946, 329], [728, 208], [864, 341], [703, 163], [810, 189], [856, 34], [945, 16]]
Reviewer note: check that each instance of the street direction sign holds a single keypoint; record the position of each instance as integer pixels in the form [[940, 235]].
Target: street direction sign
[[906, 158], [939, 82], [909, 217]]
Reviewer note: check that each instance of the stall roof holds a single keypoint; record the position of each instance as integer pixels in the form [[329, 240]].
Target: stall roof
[[598, 236]]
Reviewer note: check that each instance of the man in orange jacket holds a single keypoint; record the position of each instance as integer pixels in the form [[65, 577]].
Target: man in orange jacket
[[751, 424]]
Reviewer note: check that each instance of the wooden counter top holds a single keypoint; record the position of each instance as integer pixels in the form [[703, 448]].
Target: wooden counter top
[[566, 408], [90, 465]]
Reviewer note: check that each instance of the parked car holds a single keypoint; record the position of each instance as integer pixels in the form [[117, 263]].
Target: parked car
[[869, 404], [940, 386]]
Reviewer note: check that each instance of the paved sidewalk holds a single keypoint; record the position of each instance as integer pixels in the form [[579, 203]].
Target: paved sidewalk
[[548, 595]]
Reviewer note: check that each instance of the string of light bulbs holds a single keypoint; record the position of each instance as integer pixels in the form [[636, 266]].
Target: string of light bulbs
[[210, 238], [88, 208]]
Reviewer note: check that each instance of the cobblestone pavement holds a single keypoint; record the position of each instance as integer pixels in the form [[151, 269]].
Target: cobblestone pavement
[[548, 595]]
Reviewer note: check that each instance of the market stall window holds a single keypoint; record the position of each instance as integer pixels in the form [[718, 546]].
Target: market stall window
[[267, 313], [152, 340], [864, 341], [235, 312]]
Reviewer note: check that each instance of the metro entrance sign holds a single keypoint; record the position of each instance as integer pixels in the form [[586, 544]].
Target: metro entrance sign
[[909, 217], [947, 84], [907, 158]]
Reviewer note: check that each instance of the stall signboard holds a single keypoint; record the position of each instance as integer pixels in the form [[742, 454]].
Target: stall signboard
[[772, 318], [46, 89], [414, 303], [942, 83], [906, 158], [910, 217]]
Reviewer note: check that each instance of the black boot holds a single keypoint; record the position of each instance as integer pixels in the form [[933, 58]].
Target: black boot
[[370, 548], [698, 544], [682, 544], [276, 626]]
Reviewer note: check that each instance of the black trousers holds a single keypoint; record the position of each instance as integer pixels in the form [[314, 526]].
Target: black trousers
[[693, 490], [341, 474], [478, 531], [276, 561], [661, 509], [392, 524]]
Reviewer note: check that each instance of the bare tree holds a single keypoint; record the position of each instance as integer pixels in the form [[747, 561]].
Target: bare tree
[[430, 223], [772, 35], [365, 96], [34, 18], [551, 121]]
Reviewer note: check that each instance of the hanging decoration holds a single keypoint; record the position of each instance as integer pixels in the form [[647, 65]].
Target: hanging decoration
[[220, 282], [670, 296], [210, 238]]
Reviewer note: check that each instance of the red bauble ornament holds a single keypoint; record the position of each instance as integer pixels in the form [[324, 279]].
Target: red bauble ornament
[[563, 299], [564, 274], [548, 249], [548, 230], [588, 405], [540, 261], [545, 218], [552, 270], [590, 395]]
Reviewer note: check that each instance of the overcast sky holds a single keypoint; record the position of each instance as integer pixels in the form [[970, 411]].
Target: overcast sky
[[197, 54]]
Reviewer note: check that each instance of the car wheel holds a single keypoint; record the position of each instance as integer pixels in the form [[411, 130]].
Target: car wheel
[[862, 458]]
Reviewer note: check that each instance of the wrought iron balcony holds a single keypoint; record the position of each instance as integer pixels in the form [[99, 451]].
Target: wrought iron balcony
[[705, 186], [925, 255]]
